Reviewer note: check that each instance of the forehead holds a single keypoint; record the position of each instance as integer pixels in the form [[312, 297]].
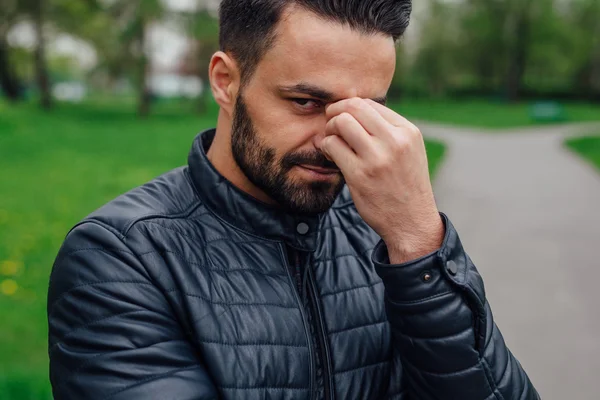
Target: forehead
[[330, 55]]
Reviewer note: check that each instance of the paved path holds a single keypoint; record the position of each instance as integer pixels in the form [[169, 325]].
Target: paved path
[[528, 213]]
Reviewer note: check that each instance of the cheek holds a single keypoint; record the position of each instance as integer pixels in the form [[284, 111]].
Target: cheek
[[288, 132]]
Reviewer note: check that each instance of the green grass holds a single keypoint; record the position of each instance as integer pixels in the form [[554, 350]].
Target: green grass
[[435, 154], [481, 114], [55, 168], [588, 147]]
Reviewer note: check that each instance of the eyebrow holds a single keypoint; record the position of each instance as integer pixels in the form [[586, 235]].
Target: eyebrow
[[320, 93]]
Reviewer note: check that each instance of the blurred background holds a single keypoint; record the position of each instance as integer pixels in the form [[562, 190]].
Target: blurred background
[[99, 96]]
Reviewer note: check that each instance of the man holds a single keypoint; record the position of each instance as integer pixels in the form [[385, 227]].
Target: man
[[299, 255]]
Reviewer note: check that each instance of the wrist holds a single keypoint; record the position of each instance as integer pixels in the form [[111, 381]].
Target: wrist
[[407, 245]]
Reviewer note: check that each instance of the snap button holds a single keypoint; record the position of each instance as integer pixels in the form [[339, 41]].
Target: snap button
[[452, 267], [302, 228], [426, 276]]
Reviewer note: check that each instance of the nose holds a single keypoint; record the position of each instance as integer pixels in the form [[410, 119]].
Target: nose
[[318, 138]]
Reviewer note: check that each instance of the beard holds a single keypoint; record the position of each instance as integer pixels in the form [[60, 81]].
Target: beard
[[271, 175]]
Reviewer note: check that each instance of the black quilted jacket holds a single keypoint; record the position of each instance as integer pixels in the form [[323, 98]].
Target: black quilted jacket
[[186, 288]]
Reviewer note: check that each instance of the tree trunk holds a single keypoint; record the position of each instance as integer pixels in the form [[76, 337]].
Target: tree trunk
[[144, 95], [518, 59], [519, 53], [8, 81], [41, 69]]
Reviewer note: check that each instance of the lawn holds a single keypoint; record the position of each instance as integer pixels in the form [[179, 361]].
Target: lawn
[[482, 114], [55, 168], [588, 147]]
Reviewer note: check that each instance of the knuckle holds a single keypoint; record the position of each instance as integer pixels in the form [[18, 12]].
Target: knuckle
[[345, 118], [355, 104], [415, 132], [377, 167], [401, 145]]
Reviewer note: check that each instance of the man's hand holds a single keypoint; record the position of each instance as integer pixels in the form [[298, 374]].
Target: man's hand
[[382, 157]]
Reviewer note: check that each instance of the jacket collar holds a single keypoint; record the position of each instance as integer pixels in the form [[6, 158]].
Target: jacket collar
[[243, 211]]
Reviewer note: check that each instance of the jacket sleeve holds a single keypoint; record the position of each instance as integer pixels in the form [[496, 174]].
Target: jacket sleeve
[[443, 329], [112, 334]]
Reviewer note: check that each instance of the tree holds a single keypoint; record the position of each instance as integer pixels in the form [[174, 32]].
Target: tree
[[132, 20], [9, 82], [519, 27], [483, 47], [585, 20], [203, 28], [435, 65], [38, 10]]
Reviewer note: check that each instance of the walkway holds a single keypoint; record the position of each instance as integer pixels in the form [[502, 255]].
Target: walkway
[[528, 213]]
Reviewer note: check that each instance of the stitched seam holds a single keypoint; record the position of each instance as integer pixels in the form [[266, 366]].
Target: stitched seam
[[356, 255], [508, 360], [226, 239], [345, 227], [64, 294], [273, 275], [362, 367], [205, 266], [453, 335], [152, 378], [87, 325], [257, 344], [358, 327], [182, 215], [446, 374], [413, 302], [222, 303], [101, 224], [102, 249], [352, 289], [91, 359], [179, 255], [490, 380], [263, 388], [489, 339], [179, 232], [206, 242]]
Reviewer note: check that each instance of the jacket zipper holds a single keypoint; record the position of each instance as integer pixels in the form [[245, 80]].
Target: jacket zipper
[[318, 318], [293, 282], [322, 337]]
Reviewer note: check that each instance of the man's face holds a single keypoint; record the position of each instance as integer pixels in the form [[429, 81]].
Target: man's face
[[281, 110]]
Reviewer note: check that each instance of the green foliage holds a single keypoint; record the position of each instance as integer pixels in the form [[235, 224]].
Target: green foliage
[[510, 47], [588, 147], [486, 114]]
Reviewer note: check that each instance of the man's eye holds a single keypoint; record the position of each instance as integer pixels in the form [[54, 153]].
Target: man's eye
[[307, 104]]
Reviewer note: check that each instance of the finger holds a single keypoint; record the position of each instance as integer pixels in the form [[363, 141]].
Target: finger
[[348, 128], [373, 122], [338, 151], [389, 115]]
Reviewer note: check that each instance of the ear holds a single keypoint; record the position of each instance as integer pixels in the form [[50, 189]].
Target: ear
[[224, 76]]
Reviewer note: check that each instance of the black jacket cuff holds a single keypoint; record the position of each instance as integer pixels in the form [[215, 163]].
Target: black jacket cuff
[[433, 275]]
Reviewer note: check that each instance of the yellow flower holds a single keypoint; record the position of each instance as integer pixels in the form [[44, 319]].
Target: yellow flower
[[9, 267], [8, 287]]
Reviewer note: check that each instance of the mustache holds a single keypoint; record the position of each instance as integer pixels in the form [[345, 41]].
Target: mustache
[[311, 158]]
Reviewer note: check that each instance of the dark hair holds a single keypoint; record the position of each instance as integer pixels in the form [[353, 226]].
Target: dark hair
[[247, 27]]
